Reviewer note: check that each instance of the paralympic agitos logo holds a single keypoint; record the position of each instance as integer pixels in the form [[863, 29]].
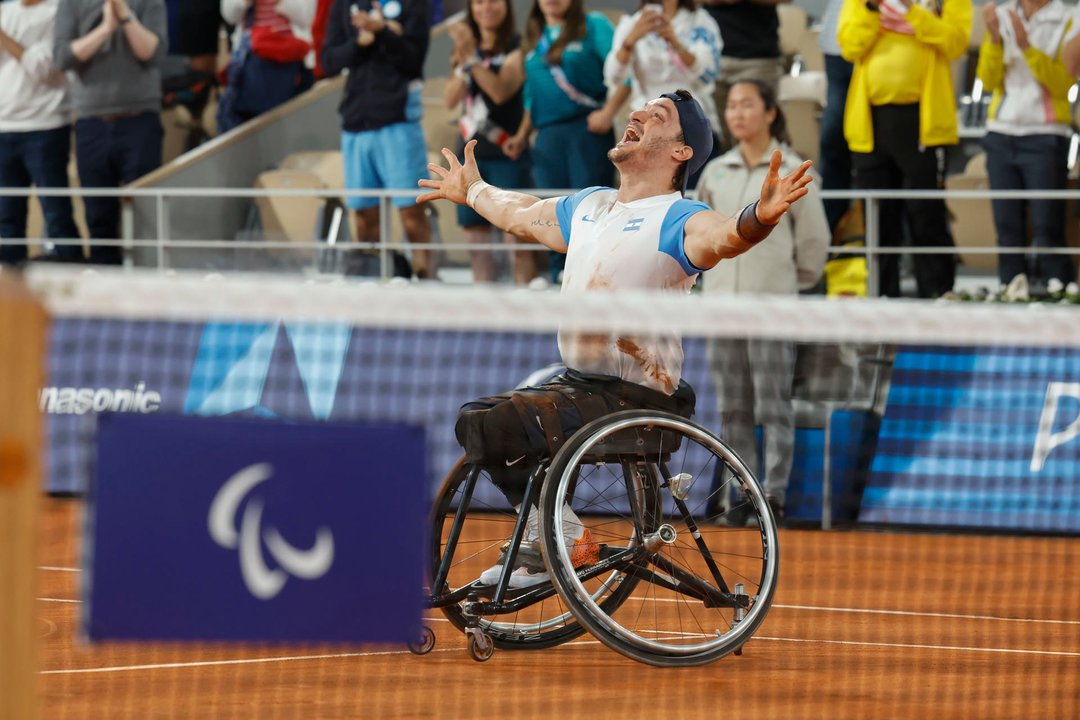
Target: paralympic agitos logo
[[262, 580]]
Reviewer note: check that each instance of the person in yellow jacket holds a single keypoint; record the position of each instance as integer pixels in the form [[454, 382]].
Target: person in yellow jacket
[[900, 113], [1028, 129]]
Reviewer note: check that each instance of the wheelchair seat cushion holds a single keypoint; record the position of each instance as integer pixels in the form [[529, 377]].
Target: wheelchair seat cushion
[[533, 423]]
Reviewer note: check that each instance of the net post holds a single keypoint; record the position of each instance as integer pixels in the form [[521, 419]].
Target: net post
[[22, 349]]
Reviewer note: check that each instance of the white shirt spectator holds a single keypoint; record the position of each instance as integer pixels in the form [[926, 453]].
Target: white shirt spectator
[[34, 93], [655, 69], [1026, 107]]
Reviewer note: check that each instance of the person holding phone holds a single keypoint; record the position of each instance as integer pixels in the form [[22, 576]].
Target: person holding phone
[[382, 47], [488, 72], [663, 47]]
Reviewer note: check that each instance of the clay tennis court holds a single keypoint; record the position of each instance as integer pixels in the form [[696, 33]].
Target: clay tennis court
[[865, 624]]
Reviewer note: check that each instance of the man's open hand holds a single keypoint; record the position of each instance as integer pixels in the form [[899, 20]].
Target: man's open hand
[[778, 193], [454, 181]]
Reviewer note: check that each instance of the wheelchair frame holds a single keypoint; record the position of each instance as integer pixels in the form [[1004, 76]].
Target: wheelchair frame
[[663, 546]]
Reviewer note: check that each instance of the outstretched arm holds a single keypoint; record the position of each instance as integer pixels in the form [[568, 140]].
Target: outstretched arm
[[525, 216], [709, 236]]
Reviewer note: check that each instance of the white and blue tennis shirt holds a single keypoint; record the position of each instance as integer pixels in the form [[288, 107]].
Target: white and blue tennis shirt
[[626, 246]]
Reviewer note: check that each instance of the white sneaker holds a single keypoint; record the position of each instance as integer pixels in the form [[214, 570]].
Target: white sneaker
[[524, 577], [531, 570], [492, 574], [529, 556]]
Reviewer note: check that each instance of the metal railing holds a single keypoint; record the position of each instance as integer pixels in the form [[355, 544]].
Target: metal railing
[[164, 240]]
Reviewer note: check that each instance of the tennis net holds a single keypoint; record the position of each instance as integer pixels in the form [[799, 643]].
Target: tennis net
[[939, 440]]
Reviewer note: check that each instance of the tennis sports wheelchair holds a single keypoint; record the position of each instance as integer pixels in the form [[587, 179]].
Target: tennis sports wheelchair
[[666, 583]]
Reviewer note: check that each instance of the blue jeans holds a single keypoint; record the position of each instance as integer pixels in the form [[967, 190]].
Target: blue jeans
[[37, 157], [1029, 162], [112, 152], [835, 161]]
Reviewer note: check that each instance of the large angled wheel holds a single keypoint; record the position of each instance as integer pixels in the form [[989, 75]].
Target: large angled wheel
[[701, 589], [485, 528]]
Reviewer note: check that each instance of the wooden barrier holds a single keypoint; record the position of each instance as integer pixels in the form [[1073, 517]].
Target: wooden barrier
[[22, 349]]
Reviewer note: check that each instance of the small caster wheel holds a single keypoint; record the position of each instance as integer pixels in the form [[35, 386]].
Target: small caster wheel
[[424, 644], [738, 650], [481, 646]]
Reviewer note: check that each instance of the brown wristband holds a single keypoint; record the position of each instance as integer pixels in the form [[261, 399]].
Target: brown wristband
[[749, 227]]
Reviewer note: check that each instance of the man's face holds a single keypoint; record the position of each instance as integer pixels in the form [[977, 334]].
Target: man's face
[[652, 133]]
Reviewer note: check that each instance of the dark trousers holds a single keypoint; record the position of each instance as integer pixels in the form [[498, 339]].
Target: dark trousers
[[898, 161], [834, 164], [1030, 162], [38, 157], [114, 152]]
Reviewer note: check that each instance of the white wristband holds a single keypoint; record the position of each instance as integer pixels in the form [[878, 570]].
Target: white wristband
[[474, 192]]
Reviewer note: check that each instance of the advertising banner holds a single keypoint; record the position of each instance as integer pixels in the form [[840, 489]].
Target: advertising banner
[[246, 529], [980, 437]]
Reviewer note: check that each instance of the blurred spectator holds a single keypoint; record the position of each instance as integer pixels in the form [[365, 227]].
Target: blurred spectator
[[753, 378], [113, 48], [189, 73], [834, 163], [382, 143], [318, 33], [664, 47], [566, 100], [901, 112], [1028, 128], [198, 23], [271, 60], [488, 74], [35, 127], [750, 31]]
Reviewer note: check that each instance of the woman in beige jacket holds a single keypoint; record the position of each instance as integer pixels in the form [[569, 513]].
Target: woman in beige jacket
[[753, 377]]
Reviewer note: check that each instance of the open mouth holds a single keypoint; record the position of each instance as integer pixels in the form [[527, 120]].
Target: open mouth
[[631, 135]]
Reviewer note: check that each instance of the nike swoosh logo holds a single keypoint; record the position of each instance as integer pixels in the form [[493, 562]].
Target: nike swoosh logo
[[586, 218], [514, 462]]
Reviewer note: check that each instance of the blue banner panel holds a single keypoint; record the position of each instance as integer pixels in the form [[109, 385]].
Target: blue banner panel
[[247, 529], [983, 437], [309, 372]]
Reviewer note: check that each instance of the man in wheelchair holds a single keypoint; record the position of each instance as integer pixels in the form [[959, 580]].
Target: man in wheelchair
[[643, 236]]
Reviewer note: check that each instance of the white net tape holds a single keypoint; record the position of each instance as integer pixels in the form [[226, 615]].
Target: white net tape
[[196, 296]]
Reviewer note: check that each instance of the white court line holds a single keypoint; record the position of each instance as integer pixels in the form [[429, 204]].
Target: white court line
[[248, 661], [817, 608], [927, 614], [59, 569], [293, 658], [889, 612], [1059, 653]]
